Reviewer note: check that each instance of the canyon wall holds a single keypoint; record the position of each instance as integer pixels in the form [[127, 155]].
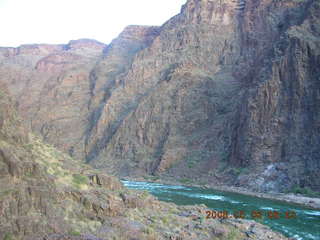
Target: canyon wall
[[47, 195], [225, 92]]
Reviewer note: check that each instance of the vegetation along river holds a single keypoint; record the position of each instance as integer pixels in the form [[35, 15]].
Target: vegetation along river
[[289, 219]]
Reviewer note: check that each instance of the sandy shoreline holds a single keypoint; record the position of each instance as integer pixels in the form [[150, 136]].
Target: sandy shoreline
[[312, 203]]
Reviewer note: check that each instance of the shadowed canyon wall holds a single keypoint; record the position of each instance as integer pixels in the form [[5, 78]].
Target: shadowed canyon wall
[[226, 92]]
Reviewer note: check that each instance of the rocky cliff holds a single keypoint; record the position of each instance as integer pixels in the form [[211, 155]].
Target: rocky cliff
[[46, 195], [226, 92]]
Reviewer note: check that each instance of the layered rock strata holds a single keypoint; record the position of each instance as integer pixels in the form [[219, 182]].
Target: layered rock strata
[[226, 92], [46, 195]]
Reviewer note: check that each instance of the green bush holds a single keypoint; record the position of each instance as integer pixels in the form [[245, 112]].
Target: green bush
[[165, 220], [225, 157], [191, 164], [298, 190], [8, 236], [29, 147], [185, 180], [238, 171], [145, 194], [148, 230], [75, 233], [233, 235], [304, 191], [5, 193], [79, 179], [151, 178]]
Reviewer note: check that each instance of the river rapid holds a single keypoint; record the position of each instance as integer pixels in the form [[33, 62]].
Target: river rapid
[[292, 220]]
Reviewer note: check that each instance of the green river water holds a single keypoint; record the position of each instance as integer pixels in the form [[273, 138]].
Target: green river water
[[292, 220]]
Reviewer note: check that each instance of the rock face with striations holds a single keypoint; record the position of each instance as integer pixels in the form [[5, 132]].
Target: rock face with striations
[[226, 91], [46, 195], [52, 87]]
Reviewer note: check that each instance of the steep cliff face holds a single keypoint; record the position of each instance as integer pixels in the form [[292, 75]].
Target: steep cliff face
[[51, 85], [227, 87], [46, 195], [226, 91], [278, 122], [174, 99], [43, 191]]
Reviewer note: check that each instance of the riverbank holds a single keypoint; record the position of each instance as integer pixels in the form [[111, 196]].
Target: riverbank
[[312, 203]]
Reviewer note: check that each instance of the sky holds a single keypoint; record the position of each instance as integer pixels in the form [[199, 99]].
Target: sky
[[58, 21]]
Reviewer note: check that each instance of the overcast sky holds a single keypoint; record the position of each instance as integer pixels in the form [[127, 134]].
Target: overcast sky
[[58, 21]]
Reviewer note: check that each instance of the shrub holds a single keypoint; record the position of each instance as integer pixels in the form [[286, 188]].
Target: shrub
[[191, 164], [233, 235], [145, 194], [185, 180], [75, 233], [165, 220], [8, 236], [79, 179], [151, 178], [305, 191], [29, 147], [148, 230], [238, 171], [235, 171]]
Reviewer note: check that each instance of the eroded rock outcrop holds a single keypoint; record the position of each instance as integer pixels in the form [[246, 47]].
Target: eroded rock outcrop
[[46, 195], [226, 92]]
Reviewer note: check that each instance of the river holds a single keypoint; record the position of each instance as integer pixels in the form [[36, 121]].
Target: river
[[291, 220]]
